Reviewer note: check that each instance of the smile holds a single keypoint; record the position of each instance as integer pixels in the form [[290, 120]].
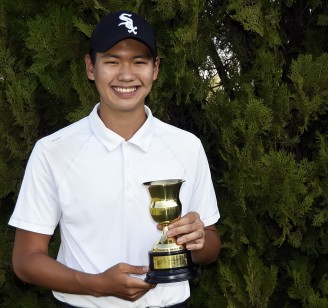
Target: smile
[[125, 90]]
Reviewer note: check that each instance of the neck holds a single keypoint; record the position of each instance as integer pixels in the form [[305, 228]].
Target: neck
[[125, 124]]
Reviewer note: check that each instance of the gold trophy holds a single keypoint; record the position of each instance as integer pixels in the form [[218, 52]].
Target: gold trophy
[[168, 261]]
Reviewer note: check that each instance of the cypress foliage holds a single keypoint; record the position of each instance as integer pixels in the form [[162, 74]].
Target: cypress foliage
[[263, 123], [268, 126]]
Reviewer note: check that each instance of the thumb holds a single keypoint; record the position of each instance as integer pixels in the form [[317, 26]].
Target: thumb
[[139, 270]]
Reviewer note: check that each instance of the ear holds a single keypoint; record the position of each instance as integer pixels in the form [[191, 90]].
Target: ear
[[89, 67], [156, 68]]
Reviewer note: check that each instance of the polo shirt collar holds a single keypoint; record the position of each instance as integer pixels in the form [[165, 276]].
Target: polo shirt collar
[[143, 136], [111, 140]]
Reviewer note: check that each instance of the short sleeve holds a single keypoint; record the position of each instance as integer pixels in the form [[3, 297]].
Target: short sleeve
[[37, 208], [204, 199]]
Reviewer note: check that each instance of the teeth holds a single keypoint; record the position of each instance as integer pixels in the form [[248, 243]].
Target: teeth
[[125, 90]]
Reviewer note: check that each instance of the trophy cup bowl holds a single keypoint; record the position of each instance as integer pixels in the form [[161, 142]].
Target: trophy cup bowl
[[168, 261]]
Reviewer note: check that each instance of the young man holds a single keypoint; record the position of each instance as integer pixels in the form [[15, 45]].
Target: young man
[[88, 179]]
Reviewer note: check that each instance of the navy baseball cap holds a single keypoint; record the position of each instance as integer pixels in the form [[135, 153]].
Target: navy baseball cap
[[119, 26]]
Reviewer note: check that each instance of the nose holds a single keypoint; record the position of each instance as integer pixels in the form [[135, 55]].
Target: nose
[[126, 72]]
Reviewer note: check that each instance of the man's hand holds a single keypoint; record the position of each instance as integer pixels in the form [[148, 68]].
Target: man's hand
[[189, 231], [117, 281], [204, 242]]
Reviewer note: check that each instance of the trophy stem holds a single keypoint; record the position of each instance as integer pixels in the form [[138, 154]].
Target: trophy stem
[[164, 239], [167, 244]]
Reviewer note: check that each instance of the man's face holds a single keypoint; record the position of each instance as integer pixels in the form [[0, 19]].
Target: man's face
[[123, 75]]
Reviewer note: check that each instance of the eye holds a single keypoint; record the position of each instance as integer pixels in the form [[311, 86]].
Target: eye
[[140, 62], [112, 62]]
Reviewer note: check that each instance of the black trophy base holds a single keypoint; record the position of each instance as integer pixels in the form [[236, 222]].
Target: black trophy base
[[167, 267]]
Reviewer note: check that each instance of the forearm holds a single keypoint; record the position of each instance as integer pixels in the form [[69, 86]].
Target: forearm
[[32, 264], [40, 269], [210, 251]]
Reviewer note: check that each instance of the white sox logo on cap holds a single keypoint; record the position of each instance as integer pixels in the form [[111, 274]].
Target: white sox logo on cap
[[128, 23]]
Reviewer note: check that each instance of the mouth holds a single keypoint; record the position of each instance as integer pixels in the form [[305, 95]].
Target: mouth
[[125, 90]]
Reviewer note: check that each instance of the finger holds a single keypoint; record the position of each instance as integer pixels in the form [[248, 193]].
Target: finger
[[186, 229], [136, 295], [195, 245], [137, 270], [196, 237], [137, 282], [189, 218], [140, 284], [132, 294]]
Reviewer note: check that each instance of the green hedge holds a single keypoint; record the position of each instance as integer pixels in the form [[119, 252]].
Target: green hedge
[[250, 78]]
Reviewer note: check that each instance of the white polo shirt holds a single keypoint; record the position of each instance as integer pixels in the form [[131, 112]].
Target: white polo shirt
[[89, 180]]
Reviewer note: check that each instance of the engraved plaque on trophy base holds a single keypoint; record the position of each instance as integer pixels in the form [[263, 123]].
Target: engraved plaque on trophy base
[[167, 267]]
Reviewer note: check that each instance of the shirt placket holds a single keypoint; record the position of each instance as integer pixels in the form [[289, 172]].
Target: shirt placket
[[128, 179]]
